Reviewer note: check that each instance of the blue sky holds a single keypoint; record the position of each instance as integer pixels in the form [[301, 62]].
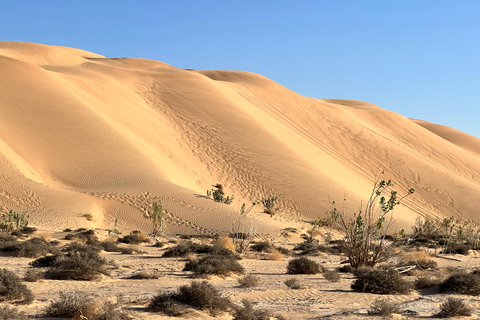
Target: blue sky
[[418, 58]]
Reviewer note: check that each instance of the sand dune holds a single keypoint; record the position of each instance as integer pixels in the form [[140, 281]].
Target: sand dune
[[81, 133]]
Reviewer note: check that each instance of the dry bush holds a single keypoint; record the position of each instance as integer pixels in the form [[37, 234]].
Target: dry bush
[[113, 310], [303, 266], [145, 275], [30, 248], [10, 313], [32, 275], [462, 283], [383, 308], [47, 261], [214, 265], [293, 283], [110, 246], [165, 302], [345, 269], [453, 308], [78, 265], [135, 237], [71, 303], [282, 250], [226, 242], [331, 276], [380, 281], [185, 248], [12, 288], [426, 282], [276, 255], [262, 246], [84, 236], [247, 312], [249, 281]]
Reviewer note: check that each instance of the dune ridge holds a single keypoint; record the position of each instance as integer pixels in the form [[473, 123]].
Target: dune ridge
[[81, 133]]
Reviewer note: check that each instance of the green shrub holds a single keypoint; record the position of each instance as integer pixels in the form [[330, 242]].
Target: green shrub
[[218, 195], [214, 264], [383, 308], [10, 313], [248, 281], [303, 266], [13, 221], [12, 288], [380, 281], [453, 308], [462, 283]]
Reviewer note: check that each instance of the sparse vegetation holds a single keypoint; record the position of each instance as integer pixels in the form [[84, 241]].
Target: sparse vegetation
[[13, 221], [11, 313], [145, 275], [303, 266], [30, 248], [331, 276], [135, 237], [71, 303], [218, 194], [462, 283], [293, 283], [269, 204], [248, 312], [88, 216], [83, 236], [380, 281], [214, 265], [185, 248], [156, 215], [32, 275], [383, 307], [453, 308], [248, 281], [426, 282], [12, 289]]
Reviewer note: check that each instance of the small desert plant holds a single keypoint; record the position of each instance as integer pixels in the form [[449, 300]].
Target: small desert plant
[[218, 195], [248, 281], [32, 275], [78, 265], [380, 281], [203, 296], [135, 237], [145, 275], [262, 246], [113, 310], [186, 247], [453, 308], [269, 204], [462, 283], [365, 232], [293, 283], [165, 302], [426, 282], [88, 216], [214, 265], [383, 308], [13, 221], [12, 288], [303, 266], [247, 312], [84, 236], [156, 215], [10, 313], [71, 303], [110, 246], [331, 276]]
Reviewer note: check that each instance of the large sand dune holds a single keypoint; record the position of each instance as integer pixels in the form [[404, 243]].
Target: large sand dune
[[81, 133]]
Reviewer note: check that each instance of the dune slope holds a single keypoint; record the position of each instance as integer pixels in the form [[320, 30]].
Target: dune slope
[[81, 133]]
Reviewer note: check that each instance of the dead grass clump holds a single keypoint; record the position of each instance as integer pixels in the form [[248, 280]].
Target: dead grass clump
[[462, 283], [145, 275], [293, 283], [12, 288], [110, 246], [383, 308], [164, 302], [226, 242], [303, 266], [214, 265], [79, 265], [71, 303], [331, 276], [84, 236], [426, 282], [276, 255], [247, 312], [32, 275], [262, 246], [380, 281], [30, 248], [112, 310], [249, 281], [453, 308], [10, 313], [135, 237]]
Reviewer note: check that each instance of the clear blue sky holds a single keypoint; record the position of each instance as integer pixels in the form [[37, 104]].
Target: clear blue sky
[[418, 58]]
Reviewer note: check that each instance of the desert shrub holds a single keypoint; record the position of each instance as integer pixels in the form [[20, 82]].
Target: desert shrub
[[380, 281], [159, 244], [426, 282], [10, 313], [458, 248], [226, 242], [78, 265], [276, 255], [383, 308], [47, 261], [263, 246], [78, 247], [127, 251], [13, 221], [248, 281], [303, 266], [218, 195], [30, 248], [145, 275], [109, 246], [462, 283], [156, 215], [346, 268], [203, 296], [84, 236], [282, 250], [165, 302], [214, 264], [135, 237], [293, 283], [453, 308], [185, 248], [112, 310], [422, 264], [331, 276], [71, 303], [12, 288], [32, 275], [247, 312], [314, 248]]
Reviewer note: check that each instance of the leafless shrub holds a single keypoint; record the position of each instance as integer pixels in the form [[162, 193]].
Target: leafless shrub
[[453, 308], [248, 281], [383, 308], [293, 283]]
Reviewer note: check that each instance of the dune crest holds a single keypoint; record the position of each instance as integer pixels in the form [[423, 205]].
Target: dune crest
[[81, 133]]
